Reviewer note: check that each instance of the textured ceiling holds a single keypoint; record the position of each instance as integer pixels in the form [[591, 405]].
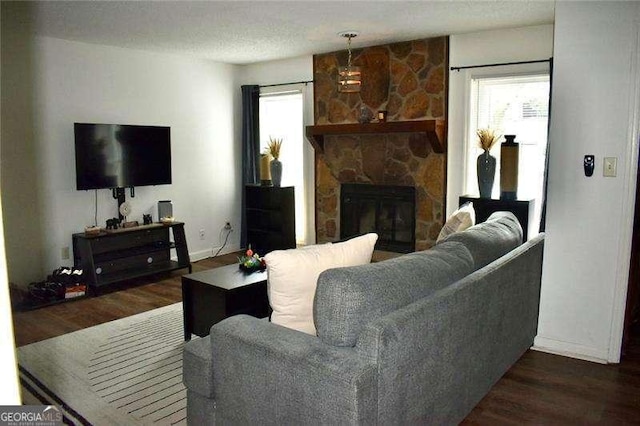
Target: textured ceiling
[[242, 32]]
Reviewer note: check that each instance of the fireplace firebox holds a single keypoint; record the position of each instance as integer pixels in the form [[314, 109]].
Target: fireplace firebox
[[386, 210]]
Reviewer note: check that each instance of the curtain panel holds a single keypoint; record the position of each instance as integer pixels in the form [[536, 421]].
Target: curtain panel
[[250, 147]]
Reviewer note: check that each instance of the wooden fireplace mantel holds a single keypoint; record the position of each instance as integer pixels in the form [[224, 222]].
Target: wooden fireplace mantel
[[433, 131]]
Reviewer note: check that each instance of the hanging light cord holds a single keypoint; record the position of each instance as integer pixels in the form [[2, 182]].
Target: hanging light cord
[[349, 50]]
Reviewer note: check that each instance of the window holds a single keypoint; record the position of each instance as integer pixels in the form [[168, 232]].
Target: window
[[513, 105], [281, 116]]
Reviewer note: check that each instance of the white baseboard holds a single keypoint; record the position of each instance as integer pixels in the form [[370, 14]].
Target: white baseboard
[[199, 255], [571, 350], [228, 249], [205, 254]]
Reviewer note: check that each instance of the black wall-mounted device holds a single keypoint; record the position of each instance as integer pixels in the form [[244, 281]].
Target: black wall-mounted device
[[589, 163]]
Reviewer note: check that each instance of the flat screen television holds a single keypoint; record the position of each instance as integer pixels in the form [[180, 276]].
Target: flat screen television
[[121, 155]]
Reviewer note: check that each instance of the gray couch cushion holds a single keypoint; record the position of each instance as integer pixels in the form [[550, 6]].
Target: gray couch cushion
[[196, 361], [490, 240], [348, 298]]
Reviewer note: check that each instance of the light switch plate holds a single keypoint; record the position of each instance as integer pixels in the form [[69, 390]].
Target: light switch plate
[[610, 166]]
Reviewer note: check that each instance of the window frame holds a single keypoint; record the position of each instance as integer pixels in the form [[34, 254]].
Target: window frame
[[510, 71], [304, 217]]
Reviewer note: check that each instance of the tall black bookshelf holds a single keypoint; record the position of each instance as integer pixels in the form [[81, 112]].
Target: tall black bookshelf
[[270, 218]]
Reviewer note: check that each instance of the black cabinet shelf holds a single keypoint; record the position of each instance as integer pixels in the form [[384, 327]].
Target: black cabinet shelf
[[111, 257], [484, 207], [258, 210], [270, 218], [115, 277], [264, 231], [133, 251]]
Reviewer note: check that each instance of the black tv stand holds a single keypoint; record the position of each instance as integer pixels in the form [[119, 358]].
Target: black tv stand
[[117, 255]]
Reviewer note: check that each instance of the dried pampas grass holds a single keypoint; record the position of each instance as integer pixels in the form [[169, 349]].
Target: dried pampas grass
[[274, 147], [487, 138]]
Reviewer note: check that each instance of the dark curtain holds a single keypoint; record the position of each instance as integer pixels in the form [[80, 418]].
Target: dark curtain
[[250, 147], [545, 182]]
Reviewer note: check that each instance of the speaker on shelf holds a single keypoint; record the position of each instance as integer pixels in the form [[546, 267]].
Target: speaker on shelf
[[165, 209]]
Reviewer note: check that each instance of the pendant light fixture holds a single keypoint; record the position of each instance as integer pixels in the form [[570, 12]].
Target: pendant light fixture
[[349, 77]]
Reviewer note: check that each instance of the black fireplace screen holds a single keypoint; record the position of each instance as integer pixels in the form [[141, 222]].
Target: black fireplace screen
[[388, 211]]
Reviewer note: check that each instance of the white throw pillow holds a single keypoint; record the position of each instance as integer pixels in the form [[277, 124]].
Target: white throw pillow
[[293, 276], [461, 219]]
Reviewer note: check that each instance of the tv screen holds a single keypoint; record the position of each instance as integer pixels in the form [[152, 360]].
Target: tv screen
[[121, 156]]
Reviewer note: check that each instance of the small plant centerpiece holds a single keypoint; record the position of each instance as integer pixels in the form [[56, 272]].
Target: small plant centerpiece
[[486, 163], [251, 261], [273, 149]]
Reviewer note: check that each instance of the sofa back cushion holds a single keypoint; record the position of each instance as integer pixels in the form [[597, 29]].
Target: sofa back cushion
[[490, 240], [348, 298], [293, 275]]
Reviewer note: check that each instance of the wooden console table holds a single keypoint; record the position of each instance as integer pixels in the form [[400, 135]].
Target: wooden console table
[[118, 255]]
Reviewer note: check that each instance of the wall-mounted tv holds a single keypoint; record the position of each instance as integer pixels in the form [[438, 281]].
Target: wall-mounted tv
[[121, 156]]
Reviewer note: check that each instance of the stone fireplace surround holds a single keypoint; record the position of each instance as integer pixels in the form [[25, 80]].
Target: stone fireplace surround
[[388, 210], [390, 159], [409, 81]]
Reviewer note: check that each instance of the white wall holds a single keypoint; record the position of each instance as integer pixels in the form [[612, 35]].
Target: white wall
[[78, 82], [15, 110], [287, 71], [19, 169], [277, 72], [586, 260], [9, 391], [489, 47]]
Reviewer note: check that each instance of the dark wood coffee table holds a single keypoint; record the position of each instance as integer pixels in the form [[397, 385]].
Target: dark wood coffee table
[[210, 296]]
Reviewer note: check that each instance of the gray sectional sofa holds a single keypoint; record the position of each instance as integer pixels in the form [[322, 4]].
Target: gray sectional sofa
[[417, 339]]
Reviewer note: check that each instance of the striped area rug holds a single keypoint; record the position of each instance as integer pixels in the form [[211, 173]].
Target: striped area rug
[[125, 372]]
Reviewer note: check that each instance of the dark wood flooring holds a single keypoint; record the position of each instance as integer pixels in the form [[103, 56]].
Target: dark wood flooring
[[547, 389], [539, 389], [138, 296]]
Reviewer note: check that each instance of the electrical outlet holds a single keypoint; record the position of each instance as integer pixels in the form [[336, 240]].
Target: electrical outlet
[[202, 234], [64, 253], [227, 226]]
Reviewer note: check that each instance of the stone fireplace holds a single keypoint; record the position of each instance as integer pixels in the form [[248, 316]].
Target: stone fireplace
[[408, 80], [388, 210], [388, 159]]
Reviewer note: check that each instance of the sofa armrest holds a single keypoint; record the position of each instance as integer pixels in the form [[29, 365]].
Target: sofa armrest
[[197, 367], [439, 356], [266, 373]]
